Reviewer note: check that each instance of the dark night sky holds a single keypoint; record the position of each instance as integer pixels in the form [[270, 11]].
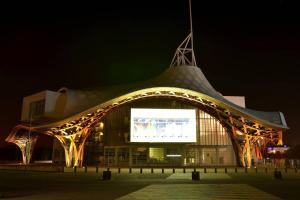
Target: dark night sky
[[250, 48]]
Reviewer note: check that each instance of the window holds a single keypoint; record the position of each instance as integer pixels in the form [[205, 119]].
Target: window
[[211, 131], [36, 109]]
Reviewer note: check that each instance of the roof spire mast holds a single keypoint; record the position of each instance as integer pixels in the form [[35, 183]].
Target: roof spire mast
[[191, 24], [184, 54]]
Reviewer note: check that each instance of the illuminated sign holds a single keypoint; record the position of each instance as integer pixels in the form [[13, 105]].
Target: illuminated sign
[[279, 149], [163, 125]]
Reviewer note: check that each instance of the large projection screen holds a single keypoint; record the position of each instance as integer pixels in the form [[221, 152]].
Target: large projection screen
[[162, 125]]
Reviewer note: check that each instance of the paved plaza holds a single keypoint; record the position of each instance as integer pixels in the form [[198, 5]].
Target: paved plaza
[[125, 186], [199, 191]]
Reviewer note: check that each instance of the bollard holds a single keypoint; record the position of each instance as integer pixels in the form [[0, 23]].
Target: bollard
[[184, 170], [141, 170], [204, 169], [235, 170], [195, 176], [225, 169], [216, 170], [75, 169], [173, 170], [194, 169], [119, 170], [85, 169], [97, 169], [130, 170], [162, 170], [151, 170], [277, 174], [266, 170], [106, 175], [246, 170]]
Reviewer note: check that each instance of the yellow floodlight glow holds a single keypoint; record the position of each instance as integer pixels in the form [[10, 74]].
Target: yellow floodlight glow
[[239, 132], [101, 125]]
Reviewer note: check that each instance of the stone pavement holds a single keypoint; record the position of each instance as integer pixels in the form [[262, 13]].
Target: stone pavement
[[198, 191], [124, 186]]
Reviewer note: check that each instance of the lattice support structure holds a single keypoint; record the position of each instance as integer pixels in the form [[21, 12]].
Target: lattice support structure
[[258, 152], [247, 152], [250, 139], [26, 145], [280, 141], [74, 147]]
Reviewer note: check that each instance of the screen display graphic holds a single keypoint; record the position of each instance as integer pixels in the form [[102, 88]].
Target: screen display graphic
[[162, 125]]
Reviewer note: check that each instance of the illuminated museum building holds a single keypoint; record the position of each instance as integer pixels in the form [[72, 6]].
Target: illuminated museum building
[[96, 127]]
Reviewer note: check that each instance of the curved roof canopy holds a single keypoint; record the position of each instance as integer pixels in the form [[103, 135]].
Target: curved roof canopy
[[185, 77]]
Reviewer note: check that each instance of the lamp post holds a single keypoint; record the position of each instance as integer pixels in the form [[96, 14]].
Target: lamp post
[[28, 143]]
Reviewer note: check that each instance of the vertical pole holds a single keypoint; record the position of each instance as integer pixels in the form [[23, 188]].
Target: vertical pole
[[192, 38], [116, 156], [130, 156], [28, 143], [191, 23]]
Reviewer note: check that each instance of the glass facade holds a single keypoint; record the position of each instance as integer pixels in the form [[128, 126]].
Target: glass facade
[[211, 131], [110, 145]]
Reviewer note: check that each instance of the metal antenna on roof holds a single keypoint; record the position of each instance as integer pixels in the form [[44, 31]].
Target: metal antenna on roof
[[184, 54], [191, 24]]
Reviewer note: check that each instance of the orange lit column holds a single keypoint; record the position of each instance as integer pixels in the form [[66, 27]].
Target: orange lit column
[[280, 141], [74, 146], [26, 145], [239, 148]]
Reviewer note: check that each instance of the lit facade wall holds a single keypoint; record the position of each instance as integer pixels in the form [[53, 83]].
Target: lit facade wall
[[43, 105], [109, 145], [211, 131], [214, 144]]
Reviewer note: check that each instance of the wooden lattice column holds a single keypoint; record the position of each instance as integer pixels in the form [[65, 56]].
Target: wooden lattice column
[[240, 149], [258, 152], [280, 141], [73, 146], [26, 145], [247, 152], [237, 144], [247, 156]]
